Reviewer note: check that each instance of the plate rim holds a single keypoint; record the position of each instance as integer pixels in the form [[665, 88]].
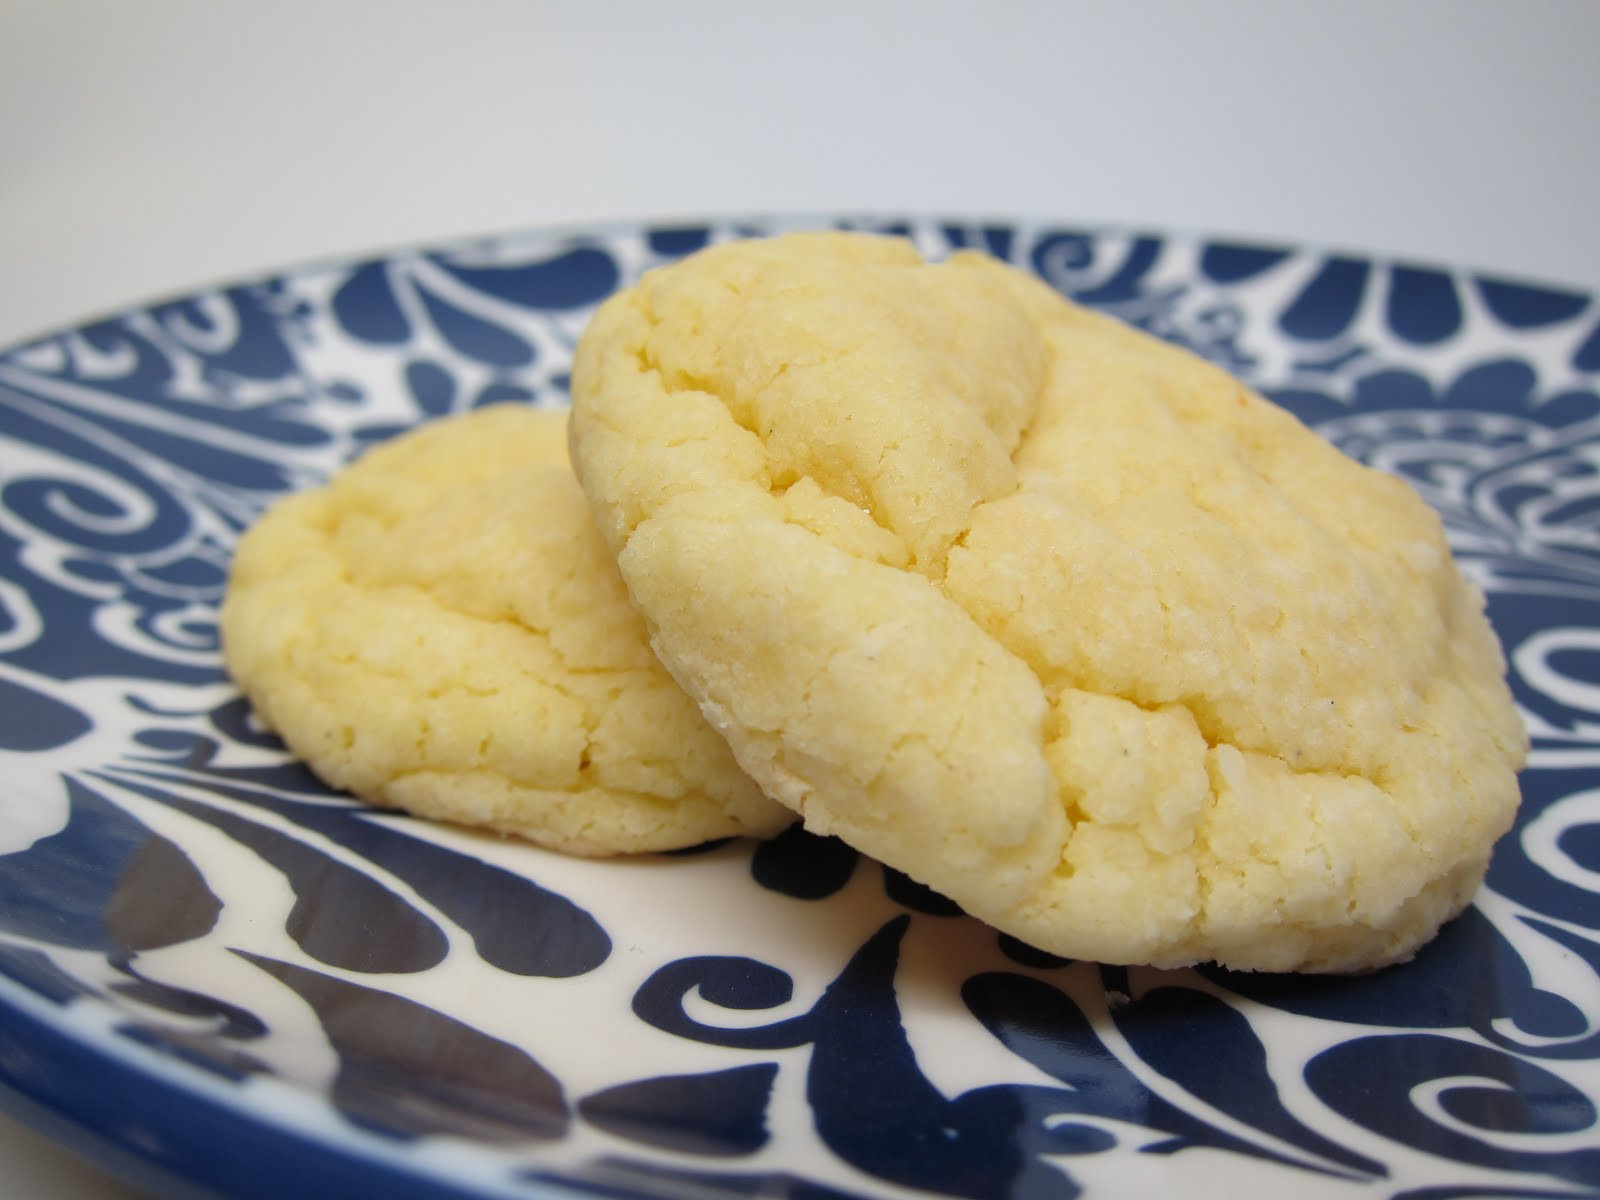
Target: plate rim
[[451, 243]]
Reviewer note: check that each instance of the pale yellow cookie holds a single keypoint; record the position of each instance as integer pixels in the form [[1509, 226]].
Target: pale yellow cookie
[[441, 629], [1056, 618]]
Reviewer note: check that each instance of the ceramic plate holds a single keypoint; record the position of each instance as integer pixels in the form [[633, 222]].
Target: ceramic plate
[[213, 969]]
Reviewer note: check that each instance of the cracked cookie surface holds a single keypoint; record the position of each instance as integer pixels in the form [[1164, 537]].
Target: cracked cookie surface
[[1054, 617], [440, 629]]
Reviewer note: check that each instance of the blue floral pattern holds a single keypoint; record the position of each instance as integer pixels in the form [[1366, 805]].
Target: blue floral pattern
[[185, 906]]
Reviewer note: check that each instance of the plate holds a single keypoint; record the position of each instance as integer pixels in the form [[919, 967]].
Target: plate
[[214, 971]]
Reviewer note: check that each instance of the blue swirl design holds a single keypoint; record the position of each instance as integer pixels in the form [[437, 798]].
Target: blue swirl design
[[170, 876], [1372, 1081], [410, 1071], [718, 1113]]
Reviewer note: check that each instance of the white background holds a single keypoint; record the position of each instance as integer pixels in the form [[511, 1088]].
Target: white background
[[147, 148]]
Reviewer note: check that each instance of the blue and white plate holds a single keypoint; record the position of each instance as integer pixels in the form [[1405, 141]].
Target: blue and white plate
[[214, 970]]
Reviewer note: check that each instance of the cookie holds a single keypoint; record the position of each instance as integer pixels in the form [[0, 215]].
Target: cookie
[[441, 630], [1052, 616]]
